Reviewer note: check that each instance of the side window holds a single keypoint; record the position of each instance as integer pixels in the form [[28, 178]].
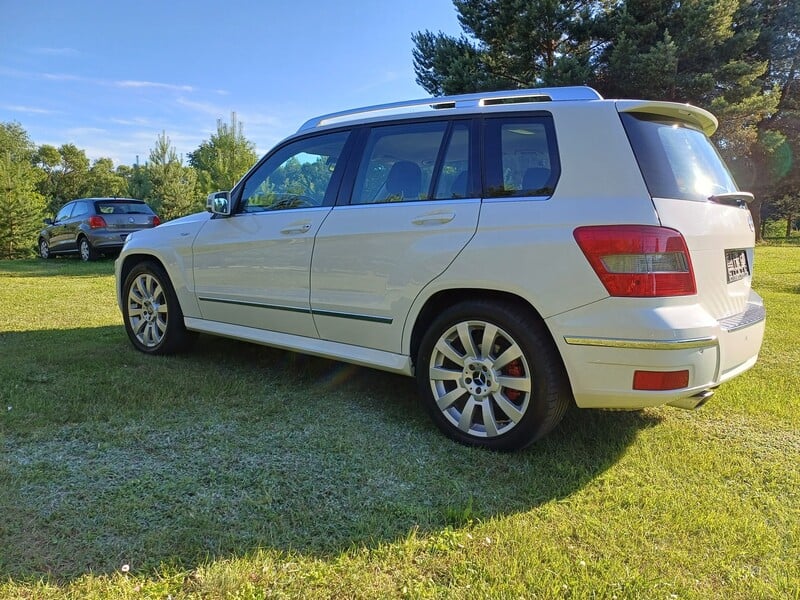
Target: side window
[[296, 176], [398, 163], [454, 179], [65, 212], [521, 156], [81, 208]]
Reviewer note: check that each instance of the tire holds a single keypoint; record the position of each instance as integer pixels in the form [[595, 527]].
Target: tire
[[153, 318], [44, 249], [502, 397], [86, 250]]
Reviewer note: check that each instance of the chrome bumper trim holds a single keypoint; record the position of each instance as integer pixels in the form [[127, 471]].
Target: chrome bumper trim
[[703, 342]]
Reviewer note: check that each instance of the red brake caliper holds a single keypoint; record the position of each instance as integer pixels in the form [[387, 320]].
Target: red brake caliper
[[513, 369]]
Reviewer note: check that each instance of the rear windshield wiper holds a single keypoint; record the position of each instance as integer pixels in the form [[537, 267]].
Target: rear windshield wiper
[[732, 198]]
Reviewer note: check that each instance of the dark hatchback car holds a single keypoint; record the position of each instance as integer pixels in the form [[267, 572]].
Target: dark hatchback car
[[94, 226]]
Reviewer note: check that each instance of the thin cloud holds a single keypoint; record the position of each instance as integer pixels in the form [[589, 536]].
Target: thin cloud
[[31, 110], [55, 51], [154, 84]]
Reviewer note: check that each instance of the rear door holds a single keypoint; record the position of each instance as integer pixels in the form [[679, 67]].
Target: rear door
[[407, 211], [694, 193]]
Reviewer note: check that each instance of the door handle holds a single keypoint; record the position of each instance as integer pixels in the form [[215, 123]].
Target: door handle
[[437, 218], [296, 228]]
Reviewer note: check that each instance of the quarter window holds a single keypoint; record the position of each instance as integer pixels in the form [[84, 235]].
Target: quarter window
[[521, 157], [65, 212], [296, 176]]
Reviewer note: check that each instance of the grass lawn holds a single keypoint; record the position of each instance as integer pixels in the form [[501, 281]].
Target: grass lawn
[[242, 471]]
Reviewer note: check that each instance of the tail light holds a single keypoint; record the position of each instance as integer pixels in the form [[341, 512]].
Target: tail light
[[96, 222], [638, 261], [156, 221]]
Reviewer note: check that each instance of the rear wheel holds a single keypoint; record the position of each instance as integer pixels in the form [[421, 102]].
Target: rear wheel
[[490, 375], [150, 309], [86, 250], [44, 249]]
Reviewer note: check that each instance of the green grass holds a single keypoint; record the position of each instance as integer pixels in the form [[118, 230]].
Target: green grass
[[241, 471]]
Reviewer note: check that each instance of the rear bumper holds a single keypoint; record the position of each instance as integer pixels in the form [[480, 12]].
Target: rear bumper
[[623, 339], [104, 240]]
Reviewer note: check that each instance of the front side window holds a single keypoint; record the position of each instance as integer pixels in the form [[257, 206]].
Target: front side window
[[416, 161], [296, 176], [521, 156], [677, 160]]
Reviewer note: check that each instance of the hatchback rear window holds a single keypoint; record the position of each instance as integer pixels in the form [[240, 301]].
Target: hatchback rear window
[[677, 160], [122, 208]]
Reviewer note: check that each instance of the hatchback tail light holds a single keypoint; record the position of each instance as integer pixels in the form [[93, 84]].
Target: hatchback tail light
[[156, 221], [638, 261], [96, 222]]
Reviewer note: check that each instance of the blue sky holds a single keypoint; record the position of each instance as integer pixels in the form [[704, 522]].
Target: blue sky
[[110, 76]]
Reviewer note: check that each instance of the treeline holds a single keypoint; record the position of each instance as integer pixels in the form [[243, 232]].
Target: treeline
[[35, 181], [737, 58]]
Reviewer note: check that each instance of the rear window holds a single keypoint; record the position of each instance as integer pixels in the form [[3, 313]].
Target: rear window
[[677, 160], [112, 207]]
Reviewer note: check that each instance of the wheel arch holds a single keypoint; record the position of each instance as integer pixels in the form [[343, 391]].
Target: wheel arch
[[444, 299], [128, 261]]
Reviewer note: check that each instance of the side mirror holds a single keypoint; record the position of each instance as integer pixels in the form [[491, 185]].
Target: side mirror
[[48, 221], [219, 203]]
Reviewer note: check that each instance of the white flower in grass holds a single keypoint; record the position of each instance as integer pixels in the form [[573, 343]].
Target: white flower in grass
[[125, 568]]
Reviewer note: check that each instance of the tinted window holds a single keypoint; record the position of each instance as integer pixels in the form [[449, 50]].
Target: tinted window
[[296, 176], [521, 156], [81, 208], [113, 207], [65, 212], [453, 180], [399, 162], [677, 160]]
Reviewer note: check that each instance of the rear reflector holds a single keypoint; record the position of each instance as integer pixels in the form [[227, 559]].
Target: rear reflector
[[660, 380], [96, 222], [638, 261], [156, 221]]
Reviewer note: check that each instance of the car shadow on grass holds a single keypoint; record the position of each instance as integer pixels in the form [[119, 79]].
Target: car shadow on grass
[[117, 458]]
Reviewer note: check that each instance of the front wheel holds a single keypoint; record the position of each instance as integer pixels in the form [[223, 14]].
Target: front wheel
[[491, 376], [152, 315]]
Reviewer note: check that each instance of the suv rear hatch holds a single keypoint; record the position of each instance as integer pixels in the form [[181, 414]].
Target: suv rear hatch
[[694, 193]]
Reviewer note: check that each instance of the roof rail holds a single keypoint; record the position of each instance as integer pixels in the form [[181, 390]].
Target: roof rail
[[555, 94]]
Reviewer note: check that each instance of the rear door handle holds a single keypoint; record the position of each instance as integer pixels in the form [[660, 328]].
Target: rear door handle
[[436, 218]]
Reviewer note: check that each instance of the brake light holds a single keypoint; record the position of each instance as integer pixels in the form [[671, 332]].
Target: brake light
[[156, 221], [660, 380], [638, 261], [96, 222]]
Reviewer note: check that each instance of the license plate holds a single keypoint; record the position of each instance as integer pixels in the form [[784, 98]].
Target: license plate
[[736, 262]]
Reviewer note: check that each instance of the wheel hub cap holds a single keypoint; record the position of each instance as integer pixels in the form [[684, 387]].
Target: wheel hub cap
[[479, 378]]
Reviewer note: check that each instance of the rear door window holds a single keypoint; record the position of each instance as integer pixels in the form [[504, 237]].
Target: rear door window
[[676, 160]]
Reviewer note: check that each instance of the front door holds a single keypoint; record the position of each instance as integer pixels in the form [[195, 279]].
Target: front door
[[252, 269]]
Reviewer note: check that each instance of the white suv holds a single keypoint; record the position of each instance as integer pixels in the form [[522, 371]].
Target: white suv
[[515, 251]]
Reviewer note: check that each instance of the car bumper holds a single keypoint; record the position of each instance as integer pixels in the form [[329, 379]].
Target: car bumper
[[108, 240], [602, 363]]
